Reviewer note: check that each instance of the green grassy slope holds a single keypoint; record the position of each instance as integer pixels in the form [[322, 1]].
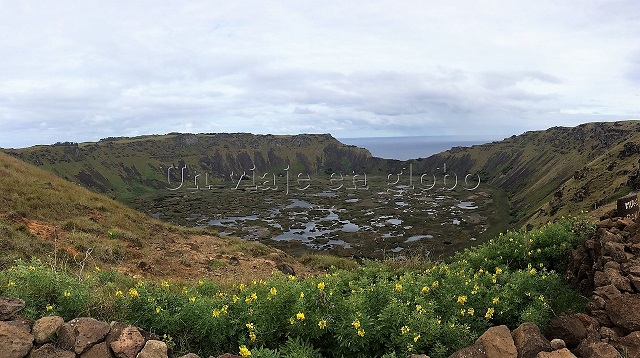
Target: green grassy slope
[[49, 218], [532, 166], [127, 167]]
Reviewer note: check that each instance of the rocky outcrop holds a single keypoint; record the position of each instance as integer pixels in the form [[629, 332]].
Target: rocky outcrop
[[15, 341], [607, 269], [498, 342], [84, 337], [80, 334], [9, 306], [529, 341], [525, 341], [46, 328]]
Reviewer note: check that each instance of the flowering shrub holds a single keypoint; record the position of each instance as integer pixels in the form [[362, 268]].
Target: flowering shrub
[[371, 311]]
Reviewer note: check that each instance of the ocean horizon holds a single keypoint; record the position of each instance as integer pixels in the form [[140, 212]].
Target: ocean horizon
[[413, 147]]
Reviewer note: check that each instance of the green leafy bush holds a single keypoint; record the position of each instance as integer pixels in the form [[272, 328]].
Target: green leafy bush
[[372, 311]]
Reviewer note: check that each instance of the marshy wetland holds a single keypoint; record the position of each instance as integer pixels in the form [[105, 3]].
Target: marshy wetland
[[347, 218]]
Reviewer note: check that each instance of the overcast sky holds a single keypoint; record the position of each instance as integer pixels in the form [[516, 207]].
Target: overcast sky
[[85, 70]]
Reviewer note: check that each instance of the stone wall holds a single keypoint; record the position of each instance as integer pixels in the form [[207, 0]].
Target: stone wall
[[52, 337], [606, 268]]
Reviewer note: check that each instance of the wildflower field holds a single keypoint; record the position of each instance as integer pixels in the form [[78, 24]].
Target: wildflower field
[[380, 309]]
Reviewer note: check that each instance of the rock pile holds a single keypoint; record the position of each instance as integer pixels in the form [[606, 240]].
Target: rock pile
[[84, 337], [525, 341], [605, 268]]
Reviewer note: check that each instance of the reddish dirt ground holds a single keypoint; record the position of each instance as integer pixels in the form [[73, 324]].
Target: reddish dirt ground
[[171, 256]]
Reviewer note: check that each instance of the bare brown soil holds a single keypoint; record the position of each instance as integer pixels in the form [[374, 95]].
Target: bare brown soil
[[173, 256]]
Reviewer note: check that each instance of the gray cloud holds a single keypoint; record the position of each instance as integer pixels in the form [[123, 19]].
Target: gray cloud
[[76, 71]]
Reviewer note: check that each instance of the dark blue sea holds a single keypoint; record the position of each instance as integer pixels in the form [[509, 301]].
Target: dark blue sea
[[404, 148]]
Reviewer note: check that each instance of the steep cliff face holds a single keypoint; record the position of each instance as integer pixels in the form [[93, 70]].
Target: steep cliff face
[[546, 174], [533, 166], [125, 167]]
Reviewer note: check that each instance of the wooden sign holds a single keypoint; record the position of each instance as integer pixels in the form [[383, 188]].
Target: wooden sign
[[628, 206]]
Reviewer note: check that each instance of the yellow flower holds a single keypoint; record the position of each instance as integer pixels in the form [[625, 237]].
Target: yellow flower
[[541, 298], [200, 282], [49, 307], [498, 270], [185, 291], [31, 268], [405, 329], [533, 271], [215, 313], [416, 337], [322, 324], [292, 320], [470, 311], [224, 309], [244, 351], [254, 296], [321, 286], [361, 332], [425, 289], [192, 299], [291, 277], [119, 293], [235, 298], [356, 324], [11, 283], [463, 312], [495, 300], [252, 336], [97, 269], [301, 294], [489, 313], [300, 316], [158, 309], [133, 292], [242, 286], [139, 284], [165, 284], [67, 294], [435, 284], [462, 299], [273, 291], [419, 309], [398, 287], [250, 326]]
